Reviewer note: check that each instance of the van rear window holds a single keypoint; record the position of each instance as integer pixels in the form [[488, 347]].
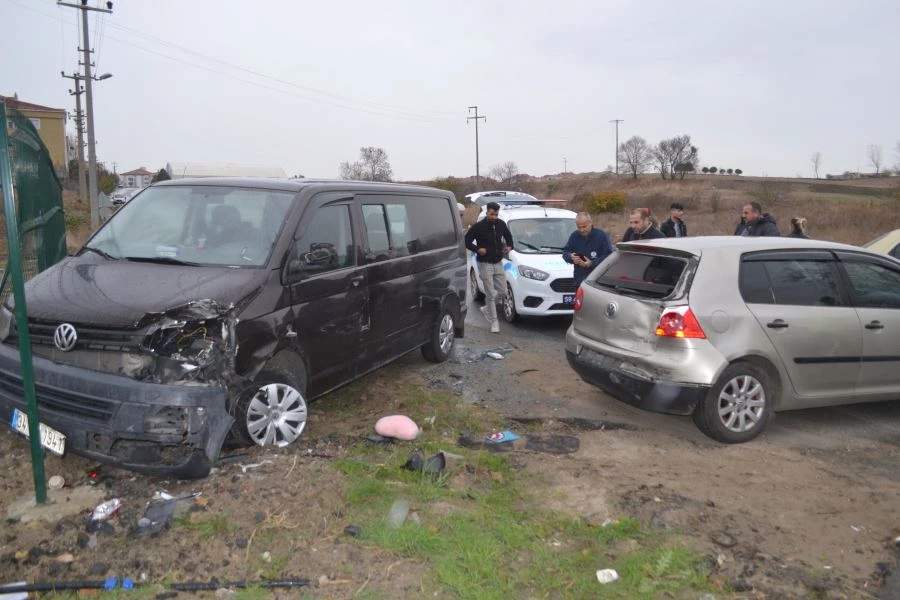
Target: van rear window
[[650, 275]]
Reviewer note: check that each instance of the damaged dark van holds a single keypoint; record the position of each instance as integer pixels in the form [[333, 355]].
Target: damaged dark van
[[208, 311]]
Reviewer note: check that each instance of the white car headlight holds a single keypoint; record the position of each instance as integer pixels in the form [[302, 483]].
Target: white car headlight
[[532, 273]]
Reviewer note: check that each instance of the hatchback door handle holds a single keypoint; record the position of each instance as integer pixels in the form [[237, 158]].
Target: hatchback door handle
[[777, 324], [875, 325], [356, 280]]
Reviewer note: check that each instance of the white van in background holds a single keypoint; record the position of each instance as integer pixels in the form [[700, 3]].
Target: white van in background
[[539, 282]]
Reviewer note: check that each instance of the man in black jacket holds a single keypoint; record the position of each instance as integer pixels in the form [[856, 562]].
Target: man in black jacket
[[758, 223], [674, 226], [490, 240], [640, 226]]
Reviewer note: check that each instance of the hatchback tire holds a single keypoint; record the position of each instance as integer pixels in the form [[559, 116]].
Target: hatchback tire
[[509, 306], [473, 281], [443, 333], [271, 410], [738, 405]]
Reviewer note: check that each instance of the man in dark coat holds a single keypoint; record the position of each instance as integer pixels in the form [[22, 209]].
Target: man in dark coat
[[490, 241], [674, 226], [759, 224], [640, 226]]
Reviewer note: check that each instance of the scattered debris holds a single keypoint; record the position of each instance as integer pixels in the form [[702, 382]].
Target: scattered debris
[[247, 467], [523, 371], [433, 465], [605, 576], [857, 529], [723, 538], [397, 426], [494, 355], [106, 510], [379, 439], [502, 437], [398, 512], [56, 482], [353, 530]]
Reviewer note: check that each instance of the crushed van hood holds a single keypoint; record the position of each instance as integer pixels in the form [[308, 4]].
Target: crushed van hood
[[92, 290]]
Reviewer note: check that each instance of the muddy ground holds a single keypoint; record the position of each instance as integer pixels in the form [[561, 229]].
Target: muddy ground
[[810, 509]]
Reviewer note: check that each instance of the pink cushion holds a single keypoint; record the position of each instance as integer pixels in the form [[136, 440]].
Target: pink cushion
[[397, 426]]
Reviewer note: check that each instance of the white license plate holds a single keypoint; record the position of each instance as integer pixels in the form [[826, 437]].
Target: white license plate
[[51, 439], [568, 298]]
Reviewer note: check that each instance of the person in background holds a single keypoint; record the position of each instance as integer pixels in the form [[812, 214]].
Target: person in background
[[741, 228], [759, 224], [798, 228], [640, 226], [674, 226], [586, 248], [490, 240]]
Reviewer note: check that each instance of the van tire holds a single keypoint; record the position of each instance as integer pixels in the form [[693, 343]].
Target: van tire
[[509, 306], [747, 395], [259, 411], [473, 281], [443, 332]]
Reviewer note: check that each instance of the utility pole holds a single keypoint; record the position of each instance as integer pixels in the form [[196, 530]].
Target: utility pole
[[79, 125], [565, 165], [89, 101], [617, 121], [477, 167]]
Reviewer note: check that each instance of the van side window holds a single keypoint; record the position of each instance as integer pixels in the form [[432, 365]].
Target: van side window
[[431, 217], [375, 220], [327, 243]]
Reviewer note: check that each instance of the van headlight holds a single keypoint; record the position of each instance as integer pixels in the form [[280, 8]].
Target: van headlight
[[532, 273]]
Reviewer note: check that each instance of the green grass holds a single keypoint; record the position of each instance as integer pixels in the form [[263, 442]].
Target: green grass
[[483, 533], [206, 527]]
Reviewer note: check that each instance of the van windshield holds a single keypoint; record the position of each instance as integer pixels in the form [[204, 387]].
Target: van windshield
[[540, 236], [201, 225]]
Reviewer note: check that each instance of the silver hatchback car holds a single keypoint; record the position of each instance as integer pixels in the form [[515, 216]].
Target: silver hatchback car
[[732, 329]]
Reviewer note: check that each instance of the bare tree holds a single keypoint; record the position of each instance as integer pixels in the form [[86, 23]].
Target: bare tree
[[873, 152], [897, 154], [373, 165], [506, 173], [816, 160], [636, 155], [675, 155]]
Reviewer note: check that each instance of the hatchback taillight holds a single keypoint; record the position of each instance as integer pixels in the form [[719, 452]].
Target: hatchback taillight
[[579, 299], [679, 322]]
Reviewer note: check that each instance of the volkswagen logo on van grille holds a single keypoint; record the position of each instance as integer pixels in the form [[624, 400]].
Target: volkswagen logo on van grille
[[65, 337], [611, 309]]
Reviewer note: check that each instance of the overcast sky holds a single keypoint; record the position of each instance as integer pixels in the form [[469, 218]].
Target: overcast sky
[[758, 85]]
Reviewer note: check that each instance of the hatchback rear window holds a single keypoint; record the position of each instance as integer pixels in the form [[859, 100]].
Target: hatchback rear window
[[649, 275]]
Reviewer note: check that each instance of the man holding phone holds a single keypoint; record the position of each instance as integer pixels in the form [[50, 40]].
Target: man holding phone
[[586, 248]]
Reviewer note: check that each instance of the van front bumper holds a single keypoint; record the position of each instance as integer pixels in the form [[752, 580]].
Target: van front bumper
[[152, 428]]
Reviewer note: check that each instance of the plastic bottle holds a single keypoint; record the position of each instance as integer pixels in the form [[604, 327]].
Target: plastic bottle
[[106, 510], [398, 513]]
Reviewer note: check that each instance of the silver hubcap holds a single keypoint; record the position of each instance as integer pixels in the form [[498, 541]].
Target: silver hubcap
[[741, 403], [276, 415], [445, 333]]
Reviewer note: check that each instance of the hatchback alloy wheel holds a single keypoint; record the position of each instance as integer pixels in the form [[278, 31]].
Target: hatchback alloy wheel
[[742, 402]]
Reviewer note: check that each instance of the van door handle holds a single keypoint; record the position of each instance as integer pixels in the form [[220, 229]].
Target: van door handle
[[875, 325], [357, 280], [777, 324]]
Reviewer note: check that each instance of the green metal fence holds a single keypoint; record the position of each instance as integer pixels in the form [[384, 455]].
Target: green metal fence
[[39, 201]]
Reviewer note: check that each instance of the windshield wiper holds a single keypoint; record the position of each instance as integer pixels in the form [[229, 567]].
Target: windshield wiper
[[102, 253], [556, 248], [163, 260], [529, 246]]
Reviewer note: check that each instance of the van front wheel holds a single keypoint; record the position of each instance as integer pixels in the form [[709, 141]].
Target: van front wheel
[[440, 344], [271, 410]]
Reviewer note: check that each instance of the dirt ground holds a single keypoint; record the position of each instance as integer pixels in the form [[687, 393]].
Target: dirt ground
[[809, 510]]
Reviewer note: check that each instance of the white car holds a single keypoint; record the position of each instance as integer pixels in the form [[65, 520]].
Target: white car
[[539, 282]]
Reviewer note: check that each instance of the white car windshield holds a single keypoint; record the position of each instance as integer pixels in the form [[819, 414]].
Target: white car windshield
[[203, 225], [541, 236]]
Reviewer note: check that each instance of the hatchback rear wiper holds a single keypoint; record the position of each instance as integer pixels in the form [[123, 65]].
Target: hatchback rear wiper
[[102, 253], [165, 260]]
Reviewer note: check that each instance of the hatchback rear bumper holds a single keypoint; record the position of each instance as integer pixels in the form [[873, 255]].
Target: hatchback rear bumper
[[634, 388], [158, 429]]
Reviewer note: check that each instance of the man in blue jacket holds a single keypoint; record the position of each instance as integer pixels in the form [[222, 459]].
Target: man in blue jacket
[[586, 248]]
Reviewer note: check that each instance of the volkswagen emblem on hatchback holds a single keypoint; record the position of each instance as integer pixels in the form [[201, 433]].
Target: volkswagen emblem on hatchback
[[65, 337], [611, 309]]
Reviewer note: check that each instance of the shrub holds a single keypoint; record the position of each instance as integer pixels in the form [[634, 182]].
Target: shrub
[[705, 169], [600, 202], [713, 170], [738, 172]]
